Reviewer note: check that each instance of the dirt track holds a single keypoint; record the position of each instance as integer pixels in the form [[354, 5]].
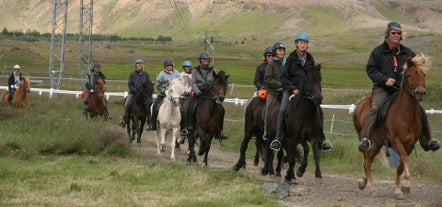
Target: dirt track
[[331, 190]]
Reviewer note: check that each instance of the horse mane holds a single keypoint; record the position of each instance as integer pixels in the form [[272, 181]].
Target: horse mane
[[421, 62], [100, 81]]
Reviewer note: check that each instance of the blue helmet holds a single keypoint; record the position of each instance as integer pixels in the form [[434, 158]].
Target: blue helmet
[[187, 63], [139, 61], [302, 36]]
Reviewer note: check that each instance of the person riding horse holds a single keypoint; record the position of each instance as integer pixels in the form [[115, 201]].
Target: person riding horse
[[14, 82], [136, 79], [384, 68], [163, 80], [202, 86], [90, 86], [292, 76]]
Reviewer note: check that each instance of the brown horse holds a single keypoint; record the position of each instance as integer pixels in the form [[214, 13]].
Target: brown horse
[[208, 112], [20, 97], [401, 125], [304, 123], [97, 102], [138, 111]]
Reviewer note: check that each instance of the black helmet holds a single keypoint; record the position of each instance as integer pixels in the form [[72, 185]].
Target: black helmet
[[276, 46], [267, 50], [204, 55], [97, 65], [167, 61]]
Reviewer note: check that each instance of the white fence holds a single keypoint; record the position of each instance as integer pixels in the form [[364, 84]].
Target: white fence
[[237, 101]]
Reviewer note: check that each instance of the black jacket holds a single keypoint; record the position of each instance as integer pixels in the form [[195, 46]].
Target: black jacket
[[293, 72], [380, 65]]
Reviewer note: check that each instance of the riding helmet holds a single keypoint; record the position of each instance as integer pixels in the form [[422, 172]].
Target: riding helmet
[[139, 61], [302, 36], [187, 63], [267, 50], [204, 55], [17, 67], [167, 61]]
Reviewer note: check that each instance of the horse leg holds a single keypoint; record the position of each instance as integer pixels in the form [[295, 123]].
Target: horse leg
[[140, 130], [316, 158], [301, 170], [173, 141], [163, 138], [291, 159], [280, 156], [367, 180], [206, 152], [157, 138], [402, 169], [192, 157], [242, 153], [258, 144]]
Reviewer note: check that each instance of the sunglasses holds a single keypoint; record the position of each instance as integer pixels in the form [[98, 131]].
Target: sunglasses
[[168, 65], [269, 55], [396, 33]]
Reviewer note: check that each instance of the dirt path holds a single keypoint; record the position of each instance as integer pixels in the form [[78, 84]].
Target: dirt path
[[331, 190]]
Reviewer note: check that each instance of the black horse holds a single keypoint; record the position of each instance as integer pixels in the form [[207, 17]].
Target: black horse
[[207, 117], [304, 122], [139, 111], [253, 127]]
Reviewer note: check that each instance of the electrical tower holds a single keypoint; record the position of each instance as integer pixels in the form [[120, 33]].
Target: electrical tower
[[85, 43], [56, 59]]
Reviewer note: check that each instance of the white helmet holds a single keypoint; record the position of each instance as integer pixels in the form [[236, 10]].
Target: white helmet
[[17, 67]]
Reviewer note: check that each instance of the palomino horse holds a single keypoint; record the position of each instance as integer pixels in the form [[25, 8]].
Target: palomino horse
[[208, 114], [169, 116], [139, 110], [253, 127], [20, 97], [97, 102], [304, 122], [401, 125]]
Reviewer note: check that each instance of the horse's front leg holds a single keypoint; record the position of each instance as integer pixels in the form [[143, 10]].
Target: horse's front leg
[[157, 138], [206, 154], [173, 141], [402, 169], [316, 158], [301, 170], [163, 131], [192, 156], [242, 153], [367, 180]]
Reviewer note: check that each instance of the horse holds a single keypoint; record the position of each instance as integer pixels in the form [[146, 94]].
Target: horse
[[401, 125], [97, 102], [169, 116], [207, 118], [304, 123], [253, 127], [139, 110], [20, 97]]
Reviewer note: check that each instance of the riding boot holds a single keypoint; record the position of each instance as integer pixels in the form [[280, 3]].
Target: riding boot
[[11, 95], [426, 142], [365, 143], [276, 143], [107, 116], [86, 111]]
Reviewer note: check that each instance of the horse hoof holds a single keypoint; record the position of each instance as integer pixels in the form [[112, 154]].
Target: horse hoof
[[163, 147], [299, 173], [255, 163], [405, 189], [294, 181], [398, 196], [203, 164], [373, 193], [361, 185]]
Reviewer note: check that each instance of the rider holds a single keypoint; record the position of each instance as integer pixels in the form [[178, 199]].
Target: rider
[[292, 75], [163, 80], [96, 74], [261, 68], [272, 79], [202, 85], [136, 79], [14, 81], [384, 68], [187, 72]]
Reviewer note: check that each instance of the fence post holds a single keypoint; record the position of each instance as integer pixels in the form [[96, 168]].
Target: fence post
[[231, 90], [332, 123]]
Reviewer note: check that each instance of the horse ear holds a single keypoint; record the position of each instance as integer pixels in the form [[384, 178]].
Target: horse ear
[[227, 76], [318, 66]]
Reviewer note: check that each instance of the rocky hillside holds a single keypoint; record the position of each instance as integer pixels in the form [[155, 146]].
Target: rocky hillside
[[189, 19]]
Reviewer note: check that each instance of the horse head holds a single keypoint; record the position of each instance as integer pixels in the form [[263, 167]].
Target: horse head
[[220, 85], [174, 91], [100, 88], [145, 92], [311, 88], [413, 77], [26, 85]]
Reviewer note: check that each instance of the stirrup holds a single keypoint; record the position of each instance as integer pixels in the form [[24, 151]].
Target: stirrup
[[264, 136], [326, 146], [184, 132], [122, 123], [364, 145], [275, 145]]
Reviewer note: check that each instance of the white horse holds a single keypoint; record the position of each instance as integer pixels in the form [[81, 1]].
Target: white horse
[[169, 116]]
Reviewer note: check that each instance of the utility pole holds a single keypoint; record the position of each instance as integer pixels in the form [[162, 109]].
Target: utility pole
[[211, 43], [85, 43], [59, 19]]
